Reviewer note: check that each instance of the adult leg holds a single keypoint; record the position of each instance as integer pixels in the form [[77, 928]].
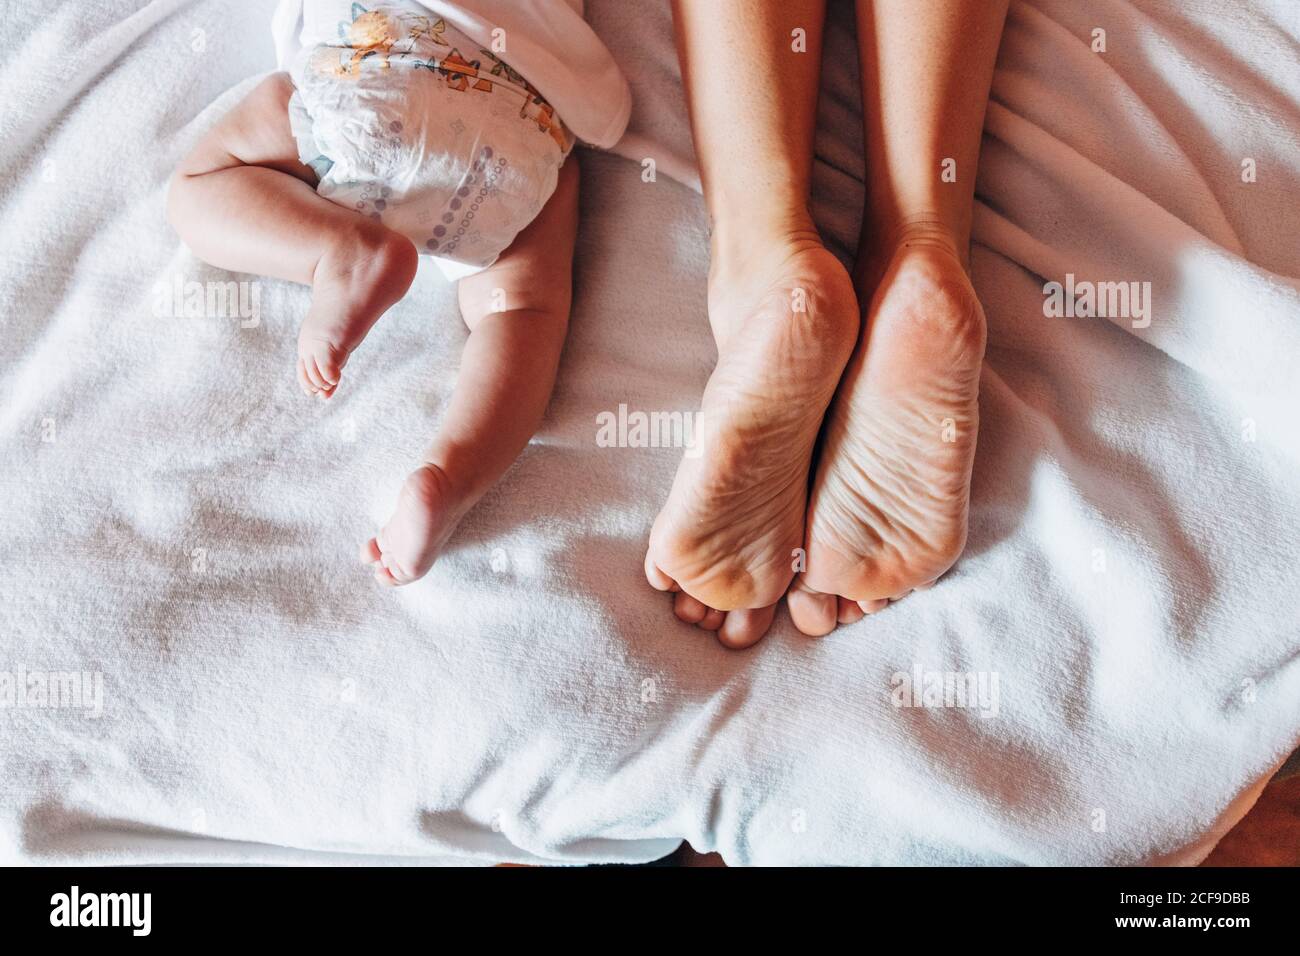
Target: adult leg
[[781, 308], [888, 509]]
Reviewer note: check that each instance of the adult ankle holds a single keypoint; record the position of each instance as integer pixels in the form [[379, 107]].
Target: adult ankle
[[882, 240], [747, 239]]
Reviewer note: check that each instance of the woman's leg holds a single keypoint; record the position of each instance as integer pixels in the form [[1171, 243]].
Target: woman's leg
[[781, 308], [926, 68], [888, 509]]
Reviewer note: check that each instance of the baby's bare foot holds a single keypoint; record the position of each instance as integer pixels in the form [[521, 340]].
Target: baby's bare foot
[[355, 282], [428, 510], [727, 536], [888, 509]]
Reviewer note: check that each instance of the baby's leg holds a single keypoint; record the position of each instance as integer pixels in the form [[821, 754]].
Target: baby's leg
[[243, 201], [517, 312]]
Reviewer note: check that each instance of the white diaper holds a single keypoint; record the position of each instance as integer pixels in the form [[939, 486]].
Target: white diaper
[[409, 121]]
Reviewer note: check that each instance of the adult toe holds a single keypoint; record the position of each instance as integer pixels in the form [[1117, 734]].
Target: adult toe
[[746, 627], [814, 614]]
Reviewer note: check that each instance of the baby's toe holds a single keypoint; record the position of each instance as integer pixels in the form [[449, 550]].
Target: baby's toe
[[304, 382], [395, 569], [313, 376], [330, 368], [322, 375], [324, 386]]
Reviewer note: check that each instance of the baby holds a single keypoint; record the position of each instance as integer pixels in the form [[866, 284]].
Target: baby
[[406, 128]]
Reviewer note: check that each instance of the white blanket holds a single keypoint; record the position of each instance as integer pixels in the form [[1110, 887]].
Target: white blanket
[[179, 523]]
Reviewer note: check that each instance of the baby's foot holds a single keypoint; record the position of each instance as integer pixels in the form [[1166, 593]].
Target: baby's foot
[[888, 509], [355, 282], [727, 536], [428, 510]]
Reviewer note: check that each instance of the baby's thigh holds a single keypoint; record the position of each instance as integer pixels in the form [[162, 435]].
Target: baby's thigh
[[256, 132], [535, 274]]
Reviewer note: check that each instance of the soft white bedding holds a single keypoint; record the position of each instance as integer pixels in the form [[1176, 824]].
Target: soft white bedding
[[176, 518]]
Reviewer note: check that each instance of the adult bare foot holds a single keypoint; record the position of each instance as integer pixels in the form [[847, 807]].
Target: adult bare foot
[[785, 319], [888, 509]]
